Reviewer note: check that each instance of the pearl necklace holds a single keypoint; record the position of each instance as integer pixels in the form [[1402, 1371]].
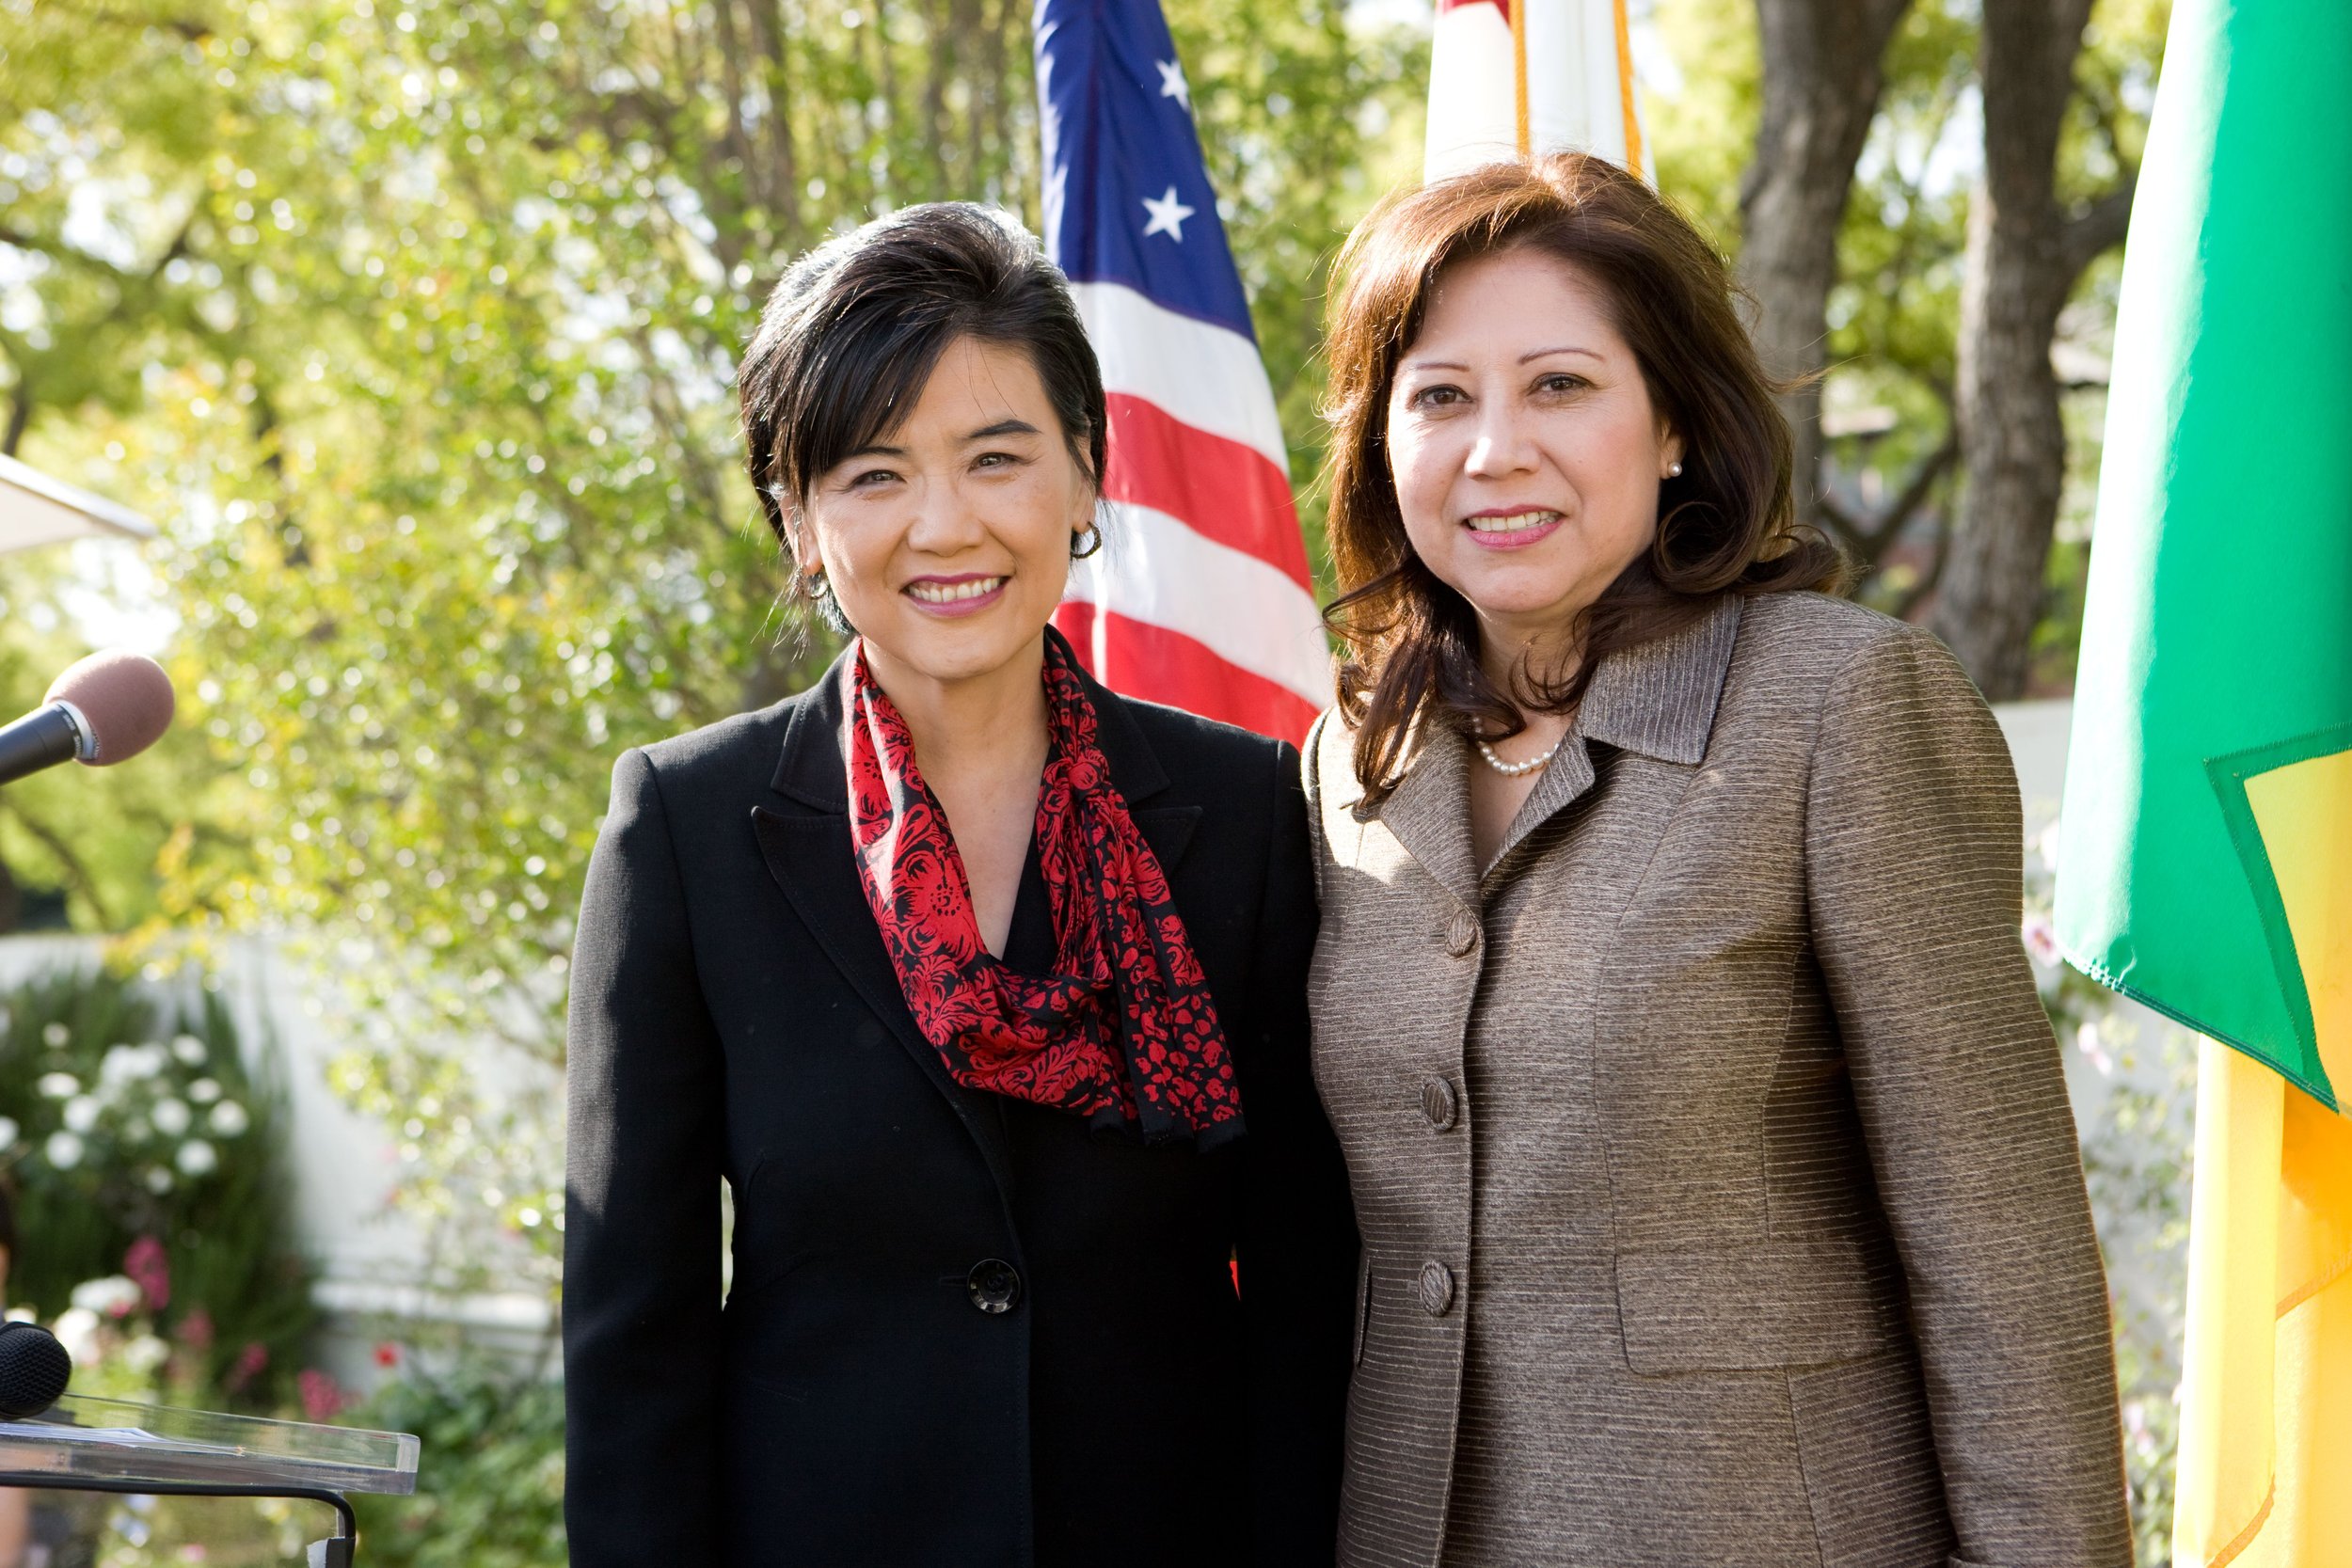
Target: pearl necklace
[[1519, 769]]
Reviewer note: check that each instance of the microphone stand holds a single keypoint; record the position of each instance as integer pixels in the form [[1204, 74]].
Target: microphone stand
[[337, 1551]]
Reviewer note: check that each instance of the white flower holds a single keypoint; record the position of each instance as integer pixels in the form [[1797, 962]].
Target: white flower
[[171, 1117], [228, 1119], [58, 1086], [63, 1151], [110, 1297], [126, 1064], [145, 1354], [204, 1092], [55, 1035], [188, 1049], [76, 1329], [198, 1158], [8, 1130], [81, 1114], [158, 1180], [2094, 1049]]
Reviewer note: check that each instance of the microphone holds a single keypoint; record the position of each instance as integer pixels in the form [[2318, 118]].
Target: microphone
[[106, 707], [34, 1371]]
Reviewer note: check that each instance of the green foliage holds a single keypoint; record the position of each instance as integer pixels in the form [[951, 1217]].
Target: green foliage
[[1702, 121], [140, 1145], [491, 1482]]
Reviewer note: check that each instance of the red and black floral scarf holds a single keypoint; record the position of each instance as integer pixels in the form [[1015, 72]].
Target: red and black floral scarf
[[1122, 1031]]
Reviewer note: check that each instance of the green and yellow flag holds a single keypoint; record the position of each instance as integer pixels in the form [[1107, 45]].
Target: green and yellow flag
[[2205, 864]]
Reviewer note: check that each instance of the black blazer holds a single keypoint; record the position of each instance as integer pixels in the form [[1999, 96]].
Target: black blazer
[[960, 1330]]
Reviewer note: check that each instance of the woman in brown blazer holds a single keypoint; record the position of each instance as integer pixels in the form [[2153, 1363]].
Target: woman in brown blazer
[[1719, 1191]]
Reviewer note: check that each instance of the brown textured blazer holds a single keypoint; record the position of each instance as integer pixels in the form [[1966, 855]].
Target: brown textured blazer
[[1719, 1191]]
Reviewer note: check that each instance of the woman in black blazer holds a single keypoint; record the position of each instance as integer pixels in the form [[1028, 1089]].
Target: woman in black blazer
[[989, 1207]]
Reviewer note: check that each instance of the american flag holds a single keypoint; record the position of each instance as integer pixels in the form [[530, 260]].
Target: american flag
[[1201, 596]]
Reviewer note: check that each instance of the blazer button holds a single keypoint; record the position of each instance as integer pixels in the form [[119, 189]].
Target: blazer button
[[1461, 933], [994, 1285], [1437, 1288], [1438, 1104]]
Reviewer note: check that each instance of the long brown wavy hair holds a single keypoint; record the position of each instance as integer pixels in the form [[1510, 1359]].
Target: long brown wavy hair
[[1726, 526]]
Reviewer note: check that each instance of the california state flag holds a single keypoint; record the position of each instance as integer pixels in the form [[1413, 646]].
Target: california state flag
[[1511, 78]]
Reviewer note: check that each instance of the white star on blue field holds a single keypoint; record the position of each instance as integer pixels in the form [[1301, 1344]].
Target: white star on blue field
[[1172, 82], [1168, 216]]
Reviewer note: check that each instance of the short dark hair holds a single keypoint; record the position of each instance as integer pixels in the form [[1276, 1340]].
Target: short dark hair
[[855, 327], [1726, 521]]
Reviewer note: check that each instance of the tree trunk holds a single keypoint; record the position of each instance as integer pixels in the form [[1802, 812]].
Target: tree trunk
[[2025, 253], [19, 414], [1822, 76]]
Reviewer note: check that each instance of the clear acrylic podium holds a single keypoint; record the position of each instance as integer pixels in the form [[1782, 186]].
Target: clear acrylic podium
[[91, 1445]]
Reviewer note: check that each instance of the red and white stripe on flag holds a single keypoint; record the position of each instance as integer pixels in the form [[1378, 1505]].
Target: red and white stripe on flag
[[1201, 596], [1508, 78]]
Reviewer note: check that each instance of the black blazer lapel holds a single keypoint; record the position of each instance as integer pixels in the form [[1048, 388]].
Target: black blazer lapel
[[1168, 830], [809, 857], [1135, 770]]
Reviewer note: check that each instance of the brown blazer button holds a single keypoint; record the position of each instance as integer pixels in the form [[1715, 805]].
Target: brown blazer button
[[1437, 1289], [1461, 933], [1438, 1103]]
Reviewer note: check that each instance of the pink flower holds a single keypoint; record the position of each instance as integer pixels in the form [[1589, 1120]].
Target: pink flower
[[250, 1363], [322, 1398], [150, 1270], [2041, 938], [196, 1330], [387, 1354]]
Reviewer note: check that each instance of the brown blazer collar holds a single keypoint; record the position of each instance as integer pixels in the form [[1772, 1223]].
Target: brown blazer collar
[[1660, 699], [1657, 699]]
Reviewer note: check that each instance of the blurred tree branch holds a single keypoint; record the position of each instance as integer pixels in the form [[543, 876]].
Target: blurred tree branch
[[1822, 75], [2026, 252]]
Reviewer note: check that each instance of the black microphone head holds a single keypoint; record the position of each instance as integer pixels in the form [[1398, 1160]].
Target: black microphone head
[[34, 1371]]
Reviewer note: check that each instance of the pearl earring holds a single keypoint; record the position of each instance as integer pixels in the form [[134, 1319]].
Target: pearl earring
[[1674, 470]]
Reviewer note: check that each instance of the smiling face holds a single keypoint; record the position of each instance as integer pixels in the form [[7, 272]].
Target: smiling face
[[1524, 448], [947, 542]]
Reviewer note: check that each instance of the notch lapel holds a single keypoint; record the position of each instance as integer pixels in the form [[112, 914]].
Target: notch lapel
[[1429, 812], [1136, 770], [808, 855], [1168, 830]]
